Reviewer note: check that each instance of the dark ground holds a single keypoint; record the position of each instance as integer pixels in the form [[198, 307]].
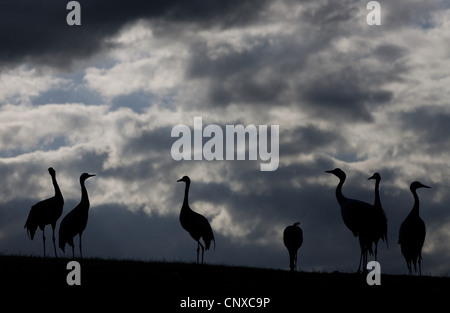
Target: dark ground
[[162, 286]]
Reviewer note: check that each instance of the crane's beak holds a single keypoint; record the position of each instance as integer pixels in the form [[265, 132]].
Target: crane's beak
[[330, 171], [425, 186], [181, 179], [371, 177], [90, 175]]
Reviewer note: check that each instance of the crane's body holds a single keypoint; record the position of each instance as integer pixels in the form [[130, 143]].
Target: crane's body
[[293, 240], [357, 216], [380, 222], [194, 223], [46, 212], [75, 222], [412, 233]]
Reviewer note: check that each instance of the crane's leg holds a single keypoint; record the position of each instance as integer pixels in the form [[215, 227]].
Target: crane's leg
[[54, 241], [420, 265], [43, 239], [203, 250], [198, 250], [362, 247], [295, 262], [376, 251], [360, 261], [81, 250], [365, 260], [291, 262]]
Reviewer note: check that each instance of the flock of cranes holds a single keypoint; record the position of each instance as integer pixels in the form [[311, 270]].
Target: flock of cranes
[[366, 221], [48, 211]]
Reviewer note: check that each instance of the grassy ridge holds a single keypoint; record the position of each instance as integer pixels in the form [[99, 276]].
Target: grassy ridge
[[166, 284]]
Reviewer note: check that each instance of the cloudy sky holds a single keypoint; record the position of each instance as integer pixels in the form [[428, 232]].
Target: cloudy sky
[[103, 98]]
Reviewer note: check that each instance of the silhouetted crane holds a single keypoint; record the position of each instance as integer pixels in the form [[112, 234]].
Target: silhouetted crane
[[412, 233], [46, 212], [357, 216], [380, 229], [74, 223], [194, 223], [293, 240]]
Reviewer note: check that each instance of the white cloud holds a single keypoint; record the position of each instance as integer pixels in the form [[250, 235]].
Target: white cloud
[[143, 62], [19, 85]]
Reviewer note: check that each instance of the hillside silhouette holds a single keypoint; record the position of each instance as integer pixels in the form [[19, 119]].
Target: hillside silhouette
[[158, 284]]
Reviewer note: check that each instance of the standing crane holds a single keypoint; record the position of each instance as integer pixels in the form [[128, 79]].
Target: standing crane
[[194, 223], [412, 233], [293, 240], [357, 216], [46, 212], [74, 223], [380, 229]]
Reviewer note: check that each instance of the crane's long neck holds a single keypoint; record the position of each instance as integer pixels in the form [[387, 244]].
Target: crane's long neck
[[58, 193], [84, 196], [377, 194], [186, 195], [415, 209], [339, 196]]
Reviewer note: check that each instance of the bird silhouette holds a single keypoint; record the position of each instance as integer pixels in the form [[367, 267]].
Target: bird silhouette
[[380, 222], [293, 240], [412, 233], [357, 216], [194, 223], [74, 223], [46, 212]]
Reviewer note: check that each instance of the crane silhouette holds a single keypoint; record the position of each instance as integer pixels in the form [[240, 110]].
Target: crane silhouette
[[380, 229], [46, 212], [412, 233], [293, 240], [74, 223], [194, 223], [357, 216]]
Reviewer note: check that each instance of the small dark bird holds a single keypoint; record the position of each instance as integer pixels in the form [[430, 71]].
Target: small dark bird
[[194, 223], [412, 233], [74, 223], [46, 212], [293, 240], [357, 216], [380, 221]]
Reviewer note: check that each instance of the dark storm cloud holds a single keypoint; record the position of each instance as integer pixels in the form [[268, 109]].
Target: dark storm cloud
[[36, 31], [260, 71], [278, 70], [389, 52], [427, 127], [306, 139], [397, 14], [236, 75], [330, 13], [344, 94], [149, 150]]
